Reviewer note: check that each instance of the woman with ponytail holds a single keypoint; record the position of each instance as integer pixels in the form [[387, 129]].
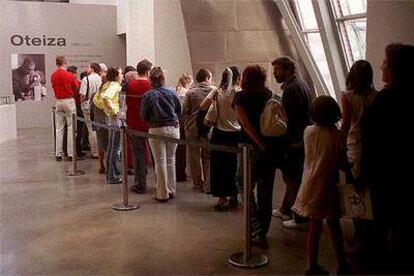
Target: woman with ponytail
[[226, 131]]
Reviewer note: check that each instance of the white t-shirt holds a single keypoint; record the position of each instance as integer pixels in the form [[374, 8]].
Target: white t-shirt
[[95, 82], [227, 118]]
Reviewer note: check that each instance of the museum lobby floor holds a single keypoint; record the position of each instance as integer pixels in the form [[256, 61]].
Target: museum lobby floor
[[52, 224]]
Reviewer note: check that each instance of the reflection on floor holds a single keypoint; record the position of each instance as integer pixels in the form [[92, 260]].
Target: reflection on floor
[[52, 224]]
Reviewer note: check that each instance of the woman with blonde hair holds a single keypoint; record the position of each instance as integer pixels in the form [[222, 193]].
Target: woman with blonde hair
[[184, 83]]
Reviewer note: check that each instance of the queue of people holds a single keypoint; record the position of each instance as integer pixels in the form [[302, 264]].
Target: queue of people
[[374, 131]]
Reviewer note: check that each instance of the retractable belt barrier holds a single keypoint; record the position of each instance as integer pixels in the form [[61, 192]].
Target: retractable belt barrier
[[244, 259]]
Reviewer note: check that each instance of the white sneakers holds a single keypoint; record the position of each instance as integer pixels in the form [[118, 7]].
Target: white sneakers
[[278, 214], [289, 222], [292, 224]]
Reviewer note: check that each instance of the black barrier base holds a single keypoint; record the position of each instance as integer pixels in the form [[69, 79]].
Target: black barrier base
[[255, 261], [123, 207], [76, 173]]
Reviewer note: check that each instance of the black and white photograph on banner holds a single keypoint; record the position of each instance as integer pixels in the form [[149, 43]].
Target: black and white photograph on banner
[[28, 75]]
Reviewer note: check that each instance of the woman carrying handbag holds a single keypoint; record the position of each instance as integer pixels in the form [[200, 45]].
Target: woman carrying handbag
[[226, 131]]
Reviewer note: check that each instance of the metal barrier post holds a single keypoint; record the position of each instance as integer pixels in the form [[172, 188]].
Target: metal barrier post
[[246, 259], [54, 130], [124, 206], [75, 171]]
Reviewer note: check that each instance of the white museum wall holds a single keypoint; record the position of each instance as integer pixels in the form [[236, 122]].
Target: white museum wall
[[387, 22], [8, 129], [155, 30], [95, 2], [171, 46], [90, 35]]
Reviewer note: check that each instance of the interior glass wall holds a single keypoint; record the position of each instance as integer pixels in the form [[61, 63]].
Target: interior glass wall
[[351, 18], [310, 31]]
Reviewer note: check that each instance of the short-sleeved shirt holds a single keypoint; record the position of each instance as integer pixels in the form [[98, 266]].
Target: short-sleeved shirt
[[253, 103], [95, 82], [63, 83], [226, 114], [135, 91]]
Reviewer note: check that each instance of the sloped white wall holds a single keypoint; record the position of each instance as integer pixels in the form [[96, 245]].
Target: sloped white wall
[[171, 45]]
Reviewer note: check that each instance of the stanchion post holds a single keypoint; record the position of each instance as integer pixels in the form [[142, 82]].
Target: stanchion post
[[246, 259], [124, 206], [54, 130], [75, 171], [247, 178], [54, 126]]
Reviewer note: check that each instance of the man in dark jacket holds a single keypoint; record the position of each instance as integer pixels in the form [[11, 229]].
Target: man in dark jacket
[[296, 102]]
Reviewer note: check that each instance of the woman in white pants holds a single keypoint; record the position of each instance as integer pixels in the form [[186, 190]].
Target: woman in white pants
[[161, 107]]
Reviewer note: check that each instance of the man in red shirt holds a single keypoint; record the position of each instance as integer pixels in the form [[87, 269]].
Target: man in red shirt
[[136, 89], [64, 84]]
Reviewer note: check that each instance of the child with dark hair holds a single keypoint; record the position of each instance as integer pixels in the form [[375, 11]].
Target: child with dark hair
[[318, 196]]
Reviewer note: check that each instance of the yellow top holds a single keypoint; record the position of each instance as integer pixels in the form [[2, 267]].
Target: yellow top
[[107, 98]]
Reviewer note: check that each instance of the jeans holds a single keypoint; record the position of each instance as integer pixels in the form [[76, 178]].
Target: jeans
[[64, 110], [164, 158], [140, 167], [114, 153]]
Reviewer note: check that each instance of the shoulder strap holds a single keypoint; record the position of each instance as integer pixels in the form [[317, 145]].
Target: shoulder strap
[[87, 87]]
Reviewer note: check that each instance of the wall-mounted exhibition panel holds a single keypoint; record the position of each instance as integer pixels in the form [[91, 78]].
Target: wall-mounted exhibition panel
[[33, 34]]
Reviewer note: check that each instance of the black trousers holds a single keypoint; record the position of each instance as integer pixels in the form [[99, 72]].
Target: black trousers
[[80, 126], [264, 165], [223, 165], [181, 158]]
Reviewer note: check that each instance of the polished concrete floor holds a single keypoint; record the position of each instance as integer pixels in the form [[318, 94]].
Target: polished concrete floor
[[52, 224]]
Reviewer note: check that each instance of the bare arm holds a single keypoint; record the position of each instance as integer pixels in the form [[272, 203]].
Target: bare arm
[[248, 127], [205, 104]]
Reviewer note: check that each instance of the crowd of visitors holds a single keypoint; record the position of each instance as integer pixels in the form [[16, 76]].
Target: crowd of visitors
[[364, 136]]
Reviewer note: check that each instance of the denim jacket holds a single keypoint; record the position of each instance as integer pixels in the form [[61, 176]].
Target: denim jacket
[[161, 107]]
